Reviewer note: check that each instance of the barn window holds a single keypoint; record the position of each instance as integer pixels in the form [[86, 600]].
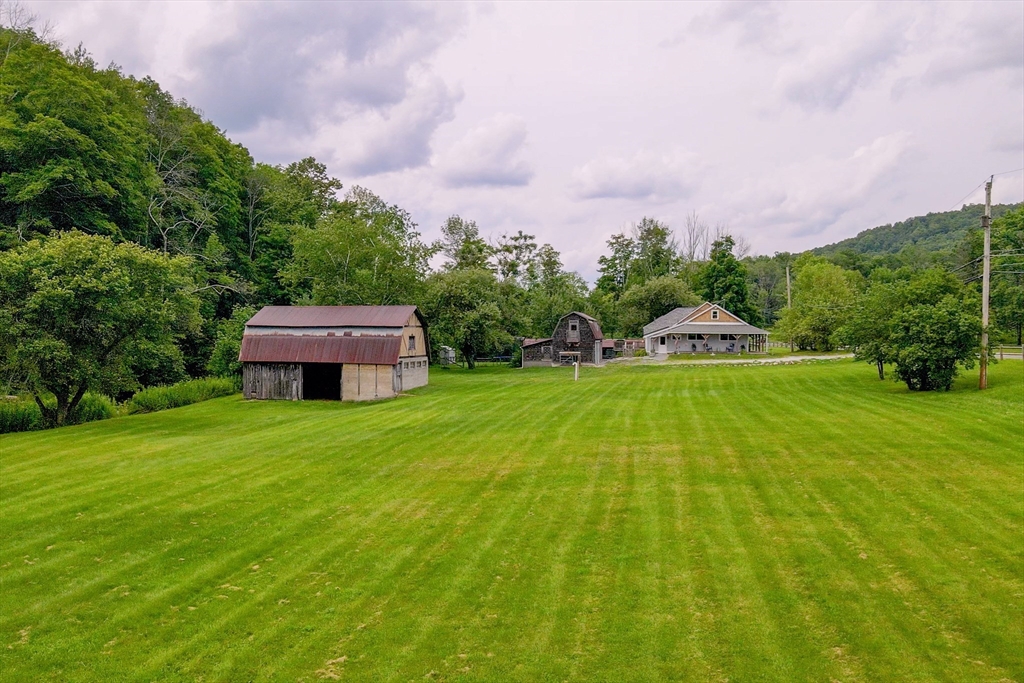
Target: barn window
[[412, 342], [714, 314], [573, 327]]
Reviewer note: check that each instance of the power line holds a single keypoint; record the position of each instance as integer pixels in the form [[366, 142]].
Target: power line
[[960, 203]]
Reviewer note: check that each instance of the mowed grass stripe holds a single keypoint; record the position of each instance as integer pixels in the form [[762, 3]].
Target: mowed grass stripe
[[673, 523]]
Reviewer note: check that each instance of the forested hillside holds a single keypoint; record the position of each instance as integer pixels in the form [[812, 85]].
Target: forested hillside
[[932, 233]]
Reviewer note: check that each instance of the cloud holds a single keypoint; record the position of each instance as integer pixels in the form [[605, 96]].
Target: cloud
[[810, 197], [355, 74], [826, 77], [757, 24], [644, 176], [991, 38], [488, 155]]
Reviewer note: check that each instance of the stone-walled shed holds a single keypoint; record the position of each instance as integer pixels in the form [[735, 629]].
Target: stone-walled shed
[[351, 353], [577, 337]]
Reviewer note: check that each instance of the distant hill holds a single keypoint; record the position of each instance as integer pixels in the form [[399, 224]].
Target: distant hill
[[934, 232]]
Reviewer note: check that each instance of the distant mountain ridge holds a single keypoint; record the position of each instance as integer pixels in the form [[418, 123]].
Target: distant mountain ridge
[[933, 232]]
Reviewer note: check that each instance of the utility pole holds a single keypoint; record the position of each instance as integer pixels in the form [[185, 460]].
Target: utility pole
[[789, 303], [986, 273]]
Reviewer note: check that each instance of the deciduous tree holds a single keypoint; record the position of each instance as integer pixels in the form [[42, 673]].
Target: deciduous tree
[[79, 312]]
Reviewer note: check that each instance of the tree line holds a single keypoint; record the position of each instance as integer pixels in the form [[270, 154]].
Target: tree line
[[136, 239]]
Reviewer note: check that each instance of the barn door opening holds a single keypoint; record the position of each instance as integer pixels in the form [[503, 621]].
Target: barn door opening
[[321, 381]]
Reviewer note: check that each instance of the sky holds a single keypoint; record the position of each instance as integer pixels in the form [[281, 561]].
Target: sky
[[793, 125]]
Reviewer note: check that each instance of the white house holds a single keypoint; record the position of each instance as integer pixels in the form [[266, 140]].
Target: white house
[[703, 329]]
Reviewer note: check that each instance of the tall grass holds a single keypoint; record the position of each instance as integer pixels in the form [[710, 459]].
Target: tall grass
[[21, 414], [180, 394]]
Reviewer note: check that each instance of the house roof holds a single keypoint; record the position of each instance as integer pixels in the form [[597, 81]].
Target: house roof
[[530, 342], [332, 316], [713, 328], [292, 348], [595, 327], [671, 318]]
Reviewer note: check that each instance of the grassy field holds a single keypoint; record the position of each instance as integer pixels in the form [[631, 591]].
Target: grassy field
[[792, 523]]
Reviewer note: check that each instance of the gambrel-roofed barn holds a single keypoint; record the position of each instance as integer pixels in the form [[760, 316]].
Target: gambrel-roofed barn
[[702, 329], [577, 337], [352, 353]]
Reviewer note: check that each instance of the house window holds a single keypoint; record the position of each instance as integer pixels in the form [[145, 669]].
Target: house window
[[728, 337], [661, 341], [692, 336], [714, 315], [412, 342]]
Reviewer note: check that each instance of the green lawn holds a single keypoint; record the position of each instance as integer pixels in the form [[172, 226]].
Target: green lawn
[[791, 523]]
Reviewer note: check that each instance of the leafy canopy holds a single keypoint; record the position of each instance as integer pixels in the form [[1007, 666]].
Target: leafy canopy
[[79, 312]]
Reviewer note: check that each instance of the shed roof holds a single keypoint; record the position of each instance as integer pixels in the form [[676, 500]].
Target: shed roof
[[530, 342], [291, 348], [595, 327], [332, 316], [671, 318]]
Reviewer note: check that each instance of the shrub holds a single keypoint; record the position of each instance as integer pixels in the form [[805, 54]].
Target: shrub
[[23, 415], [93, 407], [18, 415], [639, 353], [180, 394]]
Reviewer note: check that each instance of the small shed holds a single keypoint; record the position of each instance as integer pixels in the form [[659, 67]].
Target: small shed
[[348, 353], [577, 337]]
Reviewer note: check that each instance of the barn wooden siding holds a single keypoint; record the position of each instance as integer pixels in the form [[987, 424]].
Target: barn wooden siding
[[272, 380]]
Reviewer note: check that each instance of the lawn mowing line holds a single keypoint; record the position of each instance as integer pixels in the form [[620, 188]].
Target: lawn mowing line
[[412, 486], [880, 606], [818, 634], [948, 601], [462, 576], [469, 493], [730, 511], [209, 503], [552, 604]]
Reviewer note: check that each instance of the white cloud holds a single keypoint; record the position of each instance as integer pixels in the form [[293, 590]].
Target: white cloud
[[644, 176], [989, 40], [488, 155], [871, 41], [810, 197]]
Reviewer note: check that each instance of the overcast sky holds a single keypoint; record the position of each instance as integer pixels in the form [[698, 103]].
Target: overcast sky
[[794, 124]]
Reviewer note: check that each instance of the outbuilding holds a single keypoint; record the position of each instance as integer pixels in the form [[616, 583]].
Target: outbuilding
[[348, 353], [577, 338]]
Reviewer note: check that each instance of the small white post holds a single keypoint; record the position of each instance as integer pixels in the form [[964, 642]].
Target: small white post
[[576, 365]]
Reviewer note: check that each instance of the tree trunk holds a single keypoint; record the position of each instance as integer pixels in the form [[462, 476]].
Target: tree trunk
[[49, 415], [74, 403], [881, 369]]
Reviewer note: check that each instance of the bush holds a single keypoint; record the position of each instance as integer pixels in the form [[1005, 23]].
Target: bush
[[23, 415], [180, 394], [18, 415], [93, 407], [639, 353]]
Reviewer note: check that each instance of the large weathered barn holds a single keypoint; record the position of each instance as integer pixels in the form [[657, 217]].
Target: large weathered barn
[[577, 337], [351, 353]]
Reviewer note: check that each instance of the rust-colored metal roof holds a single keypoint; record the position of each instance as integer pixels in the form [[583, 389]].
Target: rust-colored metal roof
[[530, 342], [332, 316], [294, 348]]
